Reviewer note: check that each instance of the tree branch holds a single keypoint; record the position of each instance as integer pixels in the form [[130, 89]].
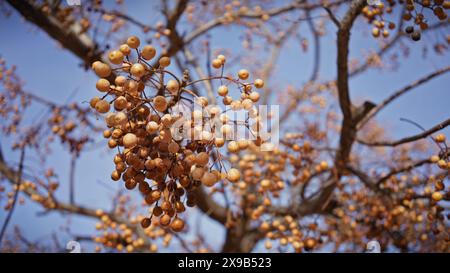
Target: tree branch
[[16, 194], [70, 37], [400, 92], [422, 135]]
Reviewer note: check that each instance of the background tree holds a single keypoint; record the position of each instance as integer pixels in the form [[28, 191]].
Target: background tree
[[336, 180]]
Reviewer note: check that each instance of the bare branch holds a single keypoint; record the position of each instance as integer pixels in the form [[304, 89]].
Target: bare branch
[[316, 38], [400, 92], [16, 194], [408, 168], [78, 43], [422, 135], [295, 5], [332, 16], [206, 204]]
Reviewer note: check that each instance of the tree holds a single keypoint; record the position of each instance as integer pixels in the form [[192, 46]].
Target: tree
[[174, 150]]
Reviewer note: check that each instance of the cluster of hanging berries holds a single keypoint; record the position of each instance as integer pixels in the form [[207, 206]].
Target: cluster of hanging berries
[[144, 105], [415, 12]]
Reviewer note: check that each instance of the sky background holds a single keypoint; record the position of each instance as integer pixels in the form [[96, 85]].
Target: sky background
[[56, 74]]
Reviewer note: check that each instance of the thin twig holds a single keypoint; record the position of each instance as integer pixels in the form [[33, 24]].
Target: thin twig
[[16, 194]]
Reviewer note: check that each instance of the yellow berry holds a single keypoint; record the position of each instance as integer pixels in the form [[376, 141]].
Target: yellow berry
[[254, 96], [222, 90], [233, 147], [137, 70], [440, 138], [172, 86], [164, 61], [375, 32], [101, 69], [233, 175], [102, 85], [148, 52], [133, 42], [125, 49], [217, 63], [209, 179], [151, 127], [177, 224], [102, 106], [115, 57], [437, 196], [259, 83], [129, 140], [221, 58], [202, 159], [243, 74]]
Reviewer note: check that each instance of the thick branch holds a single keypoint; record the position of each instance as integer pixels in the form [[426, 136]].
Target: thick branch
[[208, 206], [348, 130], [70, 37]]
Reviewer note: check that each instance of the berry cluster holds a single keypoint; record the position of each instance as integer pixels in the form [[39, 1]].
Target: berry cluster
[[415, 12], [164, 160]]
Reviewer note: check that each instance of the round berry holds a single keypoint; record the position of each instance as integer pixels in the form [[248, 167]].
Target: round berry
[[120, 103], [222, 90], [172, 86], [148, 52], [102, 106], [440, 138], [222, 58], [202, 159], [137, 70], [243, 74], [133, 42], [209, 179], [102, 85], [259, 83], [101, 69], [164, 62], [115, 57], [129, 140], [177, 224], [437, 196], [216, 63], [125, 49], [415, 36], [233, 175], [151, 127], [160, 103]]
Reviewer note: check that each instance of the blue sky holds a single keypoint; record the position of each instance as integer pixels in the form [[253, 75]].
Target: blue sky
[[55, 73]]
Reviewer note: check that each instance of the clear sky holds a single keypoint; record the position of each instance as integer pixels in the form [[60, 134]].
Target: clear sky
[[55, 73]]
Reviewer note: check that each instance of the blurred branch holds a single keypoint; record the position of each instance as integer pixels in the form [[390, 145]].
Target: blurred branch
[[14, 178], [400, 92], [316, 39], [422, 135], [295, 5], [16, 194], [332, 16], [72, 178], [408, 168], [274, 54], [348, 128], [201, 74], [209, 207]]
